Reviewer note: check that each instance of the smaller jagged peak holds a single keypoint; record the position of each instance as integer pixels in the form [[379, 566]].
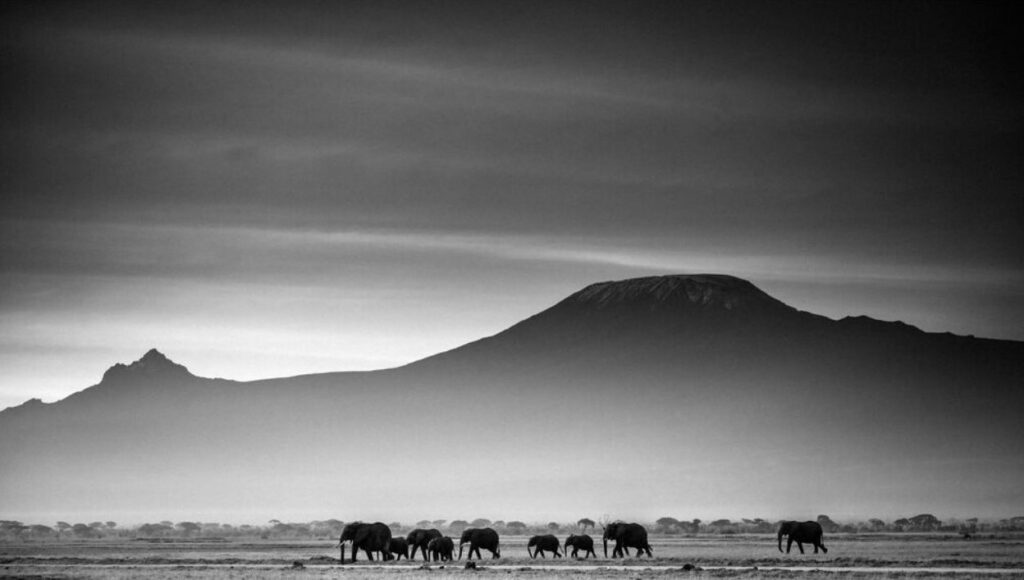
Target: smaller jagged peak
[[702, 290], [153, 364], [27, 407]]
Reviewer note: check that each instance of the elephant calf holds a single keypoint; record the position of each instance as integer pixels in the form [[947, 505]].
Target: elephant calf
[[543, 544], [441, 549], [583, 542], [399, 547]]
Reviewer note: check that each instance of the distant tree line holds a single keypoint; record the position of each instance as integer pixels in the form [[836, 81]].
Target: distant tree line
[[330, 529], [918, 523]]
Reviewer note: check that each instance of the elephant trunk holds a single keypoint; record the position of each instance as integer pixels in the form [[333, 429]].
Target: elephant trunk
[[780, 540], [342, 544], [460, 550], [605, 547]]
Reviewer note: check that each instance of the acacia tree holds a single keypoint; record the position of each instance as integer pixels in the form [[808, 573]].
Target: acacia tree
[[925, 523], [667, 524], [516, 527], [827, 524], [585, 523], [39, 530], [189, 528], [480, 523]]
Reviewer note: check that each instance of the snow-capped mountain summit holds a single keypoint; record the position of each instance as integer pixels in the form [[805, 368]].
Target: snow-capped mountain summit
[[697, 290]]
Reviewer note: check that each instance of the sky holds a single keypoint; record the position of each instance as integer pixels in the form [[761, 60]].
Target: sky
[[273, 189]]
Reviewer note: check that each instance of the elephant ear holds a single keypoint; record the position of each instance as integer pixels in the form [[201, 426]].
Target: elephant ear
[[361, 534]]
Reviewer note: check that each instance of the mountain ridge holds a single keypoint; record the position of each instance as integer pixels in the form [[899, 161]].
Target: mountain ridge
[[653, 294]]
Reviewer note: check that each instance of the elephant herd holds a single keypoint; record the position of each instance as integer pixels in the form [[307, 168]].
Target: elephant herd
[[433, 545]]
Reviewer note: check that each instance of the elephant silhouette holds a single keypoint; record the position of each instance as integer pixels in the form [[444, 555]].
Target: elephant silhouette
[[441, 549], [541, 544], [399, 547], [581, 542], [485, 538], [626, 536], [375, 537], [419, 538], [801, 532]]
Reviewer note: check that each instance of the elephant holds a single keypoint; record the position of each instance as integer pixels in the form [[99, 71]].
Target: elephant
[[441, 548], [419, 538], [626, 536], [543, 544], [801, 532], [485, 538], [584, 542], [375, 537], [399, 547]]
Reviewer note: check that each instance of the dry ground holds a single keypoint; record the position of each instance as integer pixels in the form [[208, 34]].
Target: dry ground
[[742, 556]]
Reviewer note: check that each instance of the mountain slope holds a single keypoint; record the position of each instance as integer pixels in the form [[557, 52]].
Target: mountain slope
[[684, 384]]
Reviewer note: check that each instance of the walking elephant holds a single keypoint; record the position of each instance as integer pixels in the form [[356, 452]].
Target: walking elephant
[[543, 544], [485, 538], [399, 548], [441, 549], [584, 542], [375, 537], [801, 532], [419, 538], [626, 536]]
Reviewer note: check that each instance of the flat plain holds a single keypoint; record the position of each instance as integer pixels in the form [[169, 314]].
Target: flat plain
[[709, 556]]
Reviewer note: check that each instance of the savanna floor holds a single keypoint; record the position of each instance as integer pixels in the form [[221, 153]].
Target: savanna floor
[[871, 556]]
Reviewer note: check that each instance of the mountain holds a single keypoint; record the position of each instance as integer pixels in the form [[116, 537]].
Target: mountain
[[693, 396]]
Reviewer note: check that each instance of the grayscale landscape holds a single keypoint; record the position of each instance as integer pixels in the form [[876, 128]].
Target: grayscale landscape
[[716, 283]]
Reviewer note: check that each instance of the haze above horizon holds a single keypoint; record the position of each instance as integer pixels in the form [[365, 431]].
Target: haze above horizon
[[264, 190]]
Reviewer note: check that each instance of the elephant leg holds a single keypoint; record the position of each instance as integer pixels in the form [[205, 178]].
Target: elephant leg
[[800, 545], [789, 544]]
